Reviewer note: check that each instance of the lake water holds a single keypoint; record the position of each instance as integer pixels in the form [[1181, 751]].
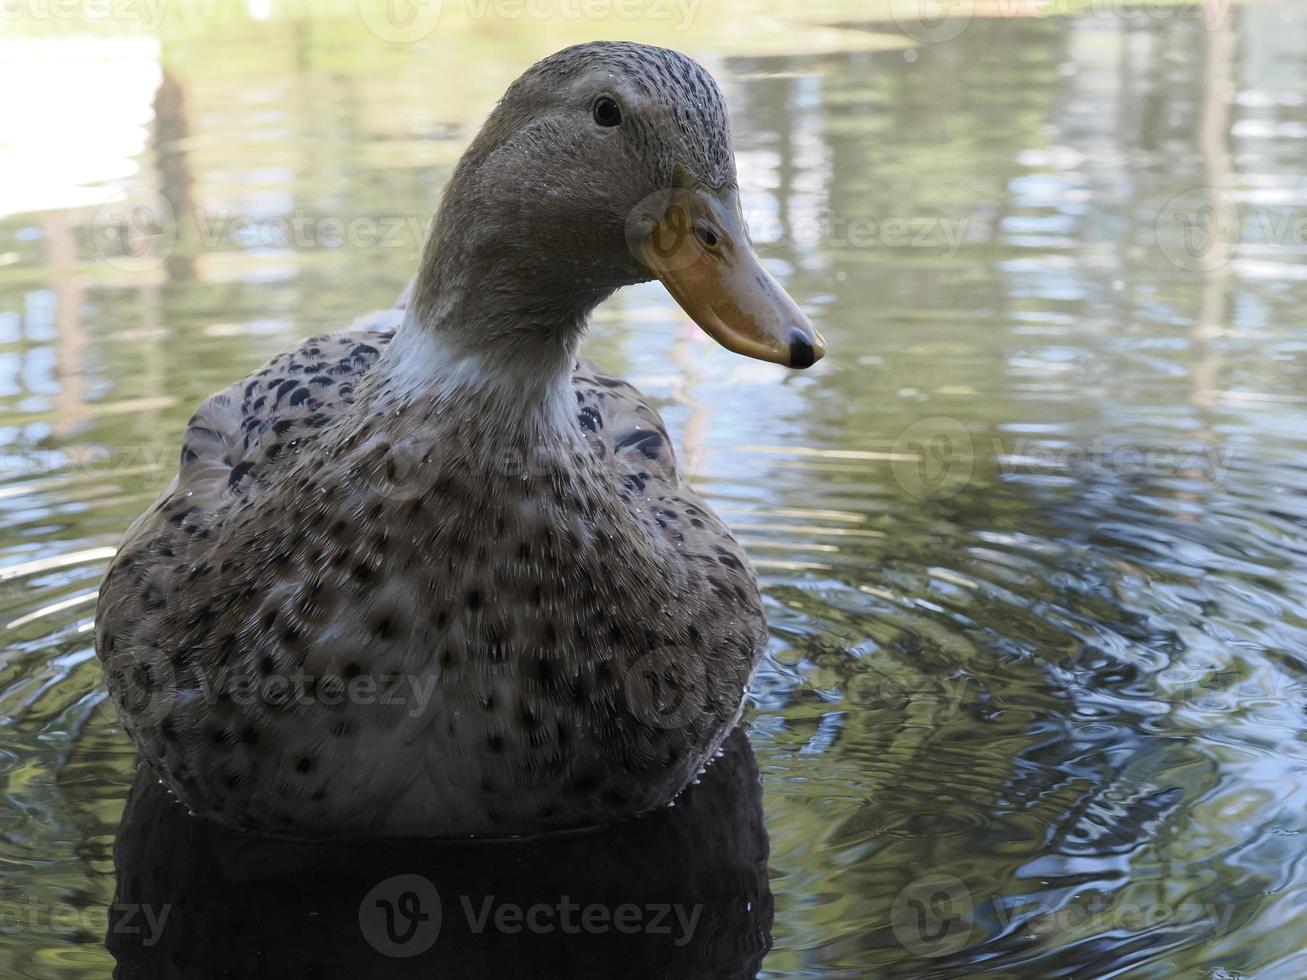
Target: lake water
[[1032, 537]]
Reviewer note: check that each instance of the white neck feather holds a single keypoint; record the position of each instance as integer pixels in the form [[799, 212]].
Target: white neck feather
[[532, 393]]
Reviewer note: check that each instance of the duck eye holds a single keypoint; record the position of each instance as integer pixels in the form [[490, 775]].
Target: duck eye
[[607, 113]]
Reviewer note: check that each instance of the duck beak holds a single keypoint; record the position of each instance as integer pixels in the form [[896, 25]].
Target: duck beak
[[699, 249]]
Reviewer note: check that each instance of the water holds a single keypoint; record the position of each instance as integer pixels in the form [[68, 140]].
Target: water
[[1032, 537]]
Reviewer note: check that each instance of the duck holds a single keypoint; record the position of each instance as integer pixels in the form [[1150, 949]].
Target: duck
[[435, 575]]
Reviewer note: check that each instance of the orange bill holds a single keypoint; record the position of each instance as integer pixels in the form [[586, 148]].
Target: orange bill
[[699, 249]]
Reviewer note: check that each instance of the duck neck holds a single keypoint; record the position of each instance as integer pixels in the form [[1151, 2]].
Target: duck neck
[[495, 319], [499, 427], [487, 392]]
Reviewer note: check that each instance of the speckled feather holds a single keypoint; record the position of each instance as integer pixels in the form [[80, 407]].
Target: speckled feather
[[301, 536]]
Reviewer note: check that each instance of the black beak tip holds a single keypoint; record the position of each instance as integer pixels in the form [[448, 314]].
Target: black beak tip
[[802, 354]]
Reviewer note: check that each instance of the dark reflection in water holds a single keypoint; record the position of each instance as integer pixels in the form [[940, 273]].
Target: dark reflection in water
[[681, 893]]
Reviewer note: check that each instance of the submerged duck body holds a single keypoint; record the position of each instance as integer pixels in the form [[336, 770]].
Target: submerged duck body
[[434, 575]]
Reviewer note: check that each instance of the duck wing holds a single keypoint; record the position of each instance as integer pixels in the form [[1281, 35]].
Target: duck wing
[[231, 434], [623, 427]]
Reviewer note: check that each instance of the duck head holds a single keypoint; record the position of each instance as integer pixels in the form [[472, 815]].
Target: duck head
[[604, 165]]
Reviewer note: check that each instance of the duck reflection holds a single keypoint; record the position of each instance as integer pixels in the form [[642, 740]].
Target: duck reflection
[[679, 893]]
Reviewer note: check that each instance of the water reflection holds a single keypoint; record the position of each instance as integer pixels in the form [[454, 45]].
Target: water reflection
[[682, 893]]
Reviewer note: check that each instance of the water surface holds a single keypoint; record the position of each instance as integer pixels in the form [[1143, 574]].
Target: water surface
[[1032, 537]]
